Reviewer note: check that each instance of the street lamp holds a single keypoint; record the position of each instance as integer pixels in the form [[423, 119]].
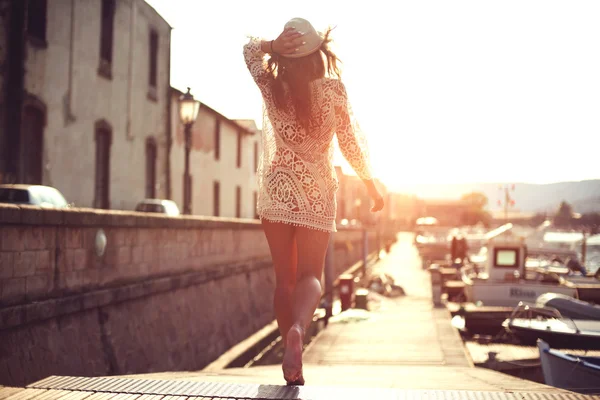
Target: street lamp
[[188, 111]]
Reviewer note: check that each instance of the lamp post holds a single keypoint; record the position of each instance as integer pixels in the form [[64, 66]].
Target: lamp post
[[188, 112]]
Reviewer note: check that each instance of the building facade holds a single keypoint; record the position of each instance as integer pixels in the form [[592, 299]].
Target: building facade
[[85, 100], [223, 161]]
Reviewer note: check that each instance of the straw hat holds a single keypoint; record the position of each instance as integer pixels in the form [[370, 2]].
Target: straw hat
[[311, 37]]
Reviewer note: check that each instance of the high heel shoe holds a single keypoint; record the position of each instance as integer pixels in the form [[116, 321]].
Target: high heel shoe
[[292, 359]]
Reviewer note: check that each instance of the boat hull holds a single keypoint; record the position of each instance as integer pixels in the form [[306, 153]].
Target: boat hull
[[559, 334], [564, 371], [510, 294]]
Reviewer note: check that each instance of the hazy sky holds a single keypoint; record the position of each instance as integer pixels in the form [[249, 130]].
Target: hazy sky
[[446, 91]]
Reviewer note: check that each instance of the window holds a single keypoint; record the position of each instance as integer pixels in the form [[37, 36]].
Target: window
[[106, 38], [216, 198], [150, 169], [32, 143], [506, 257], [238, 161], [255, 156], [36, 21], [102, 178], [238, 202], [153, 58], [217, 139]]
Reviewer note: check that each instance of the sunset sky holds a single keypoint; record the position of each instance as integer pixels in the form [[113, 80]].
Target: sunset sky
[[446, 91]]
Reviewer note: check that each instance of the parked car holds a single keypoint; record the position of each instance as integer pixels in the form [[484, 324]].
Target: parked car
[[161, 206], [37, 195]]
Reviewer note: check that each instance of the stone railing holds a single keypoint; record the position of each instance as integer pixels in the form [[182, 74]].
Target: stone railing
[[95, 292]]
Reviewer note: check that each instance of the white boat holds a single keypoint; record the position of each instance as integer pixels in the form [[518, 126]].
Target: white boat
[[501, 279], [528, 323], [567, 371]]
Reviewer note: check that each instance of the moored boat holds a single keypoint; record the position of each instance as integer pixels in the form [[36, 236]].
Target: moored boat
[[502, 279], [567, 371], [529, 323]]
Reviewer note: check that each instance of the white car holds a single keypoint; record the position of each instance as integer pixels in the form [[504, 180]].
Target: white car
[[161, 206], [36, 195]]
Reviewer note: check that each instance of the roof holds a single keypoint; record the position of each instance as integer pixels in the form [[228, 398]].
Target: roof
[[248, 123], [23, 186], [147, 5], [499, 214], [235, 123]]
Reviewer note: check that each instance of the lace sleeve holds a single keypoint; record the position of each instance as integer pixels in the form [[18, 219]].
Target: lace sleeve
[[255, 61], [351, 139]]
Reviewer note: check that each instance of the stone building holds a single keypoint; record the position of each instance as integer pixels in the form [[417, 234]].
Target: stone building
[[85, 99], [223, 160]]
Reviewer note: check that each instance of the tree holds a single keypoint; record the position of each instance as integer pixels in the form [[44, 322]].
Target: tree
[[564, 216], [475, 212], [476, 199]]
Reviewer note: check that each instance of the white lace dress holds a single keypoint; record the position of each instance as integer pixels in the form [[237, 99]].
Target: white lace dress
[[297, 182]]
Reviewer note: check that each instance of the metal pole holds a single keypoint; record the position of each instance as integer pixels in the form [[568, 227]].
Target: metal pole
[[329, 278], [506, 199], [583, 248], [187, 209], [365, 250]]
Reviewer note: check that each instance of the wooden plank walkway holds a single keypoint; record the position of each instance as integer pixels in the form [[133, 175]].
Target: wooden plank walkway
[[79, 388], [407, 330]]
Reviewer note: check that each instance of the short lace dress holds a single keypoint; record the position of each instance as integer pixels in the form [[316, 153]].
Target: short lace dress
[[297, 183]]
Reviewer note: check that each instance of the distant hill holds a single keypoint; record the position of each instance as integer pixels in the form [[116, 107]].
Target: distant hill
[[584, 196]]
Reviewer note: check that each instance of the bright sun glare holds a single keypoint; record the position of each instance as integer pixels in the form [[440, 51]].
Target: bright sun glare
[[454, 92]]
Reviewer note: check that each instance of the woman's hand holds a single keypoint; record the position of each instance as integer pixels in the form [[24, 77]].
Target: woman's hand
[[378, 202], [374, 195], [287, 42]]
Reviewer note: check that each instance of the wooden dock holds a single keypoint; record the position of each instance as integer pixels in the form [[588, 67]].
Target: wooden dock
[[79, 388]]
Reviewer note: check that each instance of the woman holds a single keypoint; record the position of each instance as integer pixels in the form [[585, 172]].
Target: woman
[[305, 105]]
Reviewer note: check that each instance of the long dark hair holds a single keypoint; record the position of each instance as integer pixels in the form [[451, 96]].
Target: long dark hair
[[298, 73]]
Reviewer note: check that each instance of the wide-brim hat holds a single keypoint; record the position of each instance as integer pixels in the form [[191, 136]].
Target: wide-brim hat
[[312, 38]]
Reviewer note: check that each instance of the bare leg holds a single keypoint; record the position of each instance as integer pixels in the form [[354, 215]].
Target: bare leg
[[312, 247], [281, 239]]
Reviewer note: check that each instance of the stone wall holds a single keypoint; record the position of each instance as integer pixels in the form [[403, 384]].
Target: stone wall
[[4, 24], [165, 294]]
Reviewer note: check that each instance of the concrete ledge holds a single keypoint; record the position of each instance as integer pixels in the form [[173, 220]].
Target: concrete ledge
[[19, 315], [11, 214], [91, 217]]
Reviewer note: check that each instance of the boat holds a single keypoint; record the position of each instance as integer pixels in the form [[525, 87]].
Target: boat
[[431, 240], [561, 261], [567, 371], [500, 278], [528, 323], [569, 307]]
